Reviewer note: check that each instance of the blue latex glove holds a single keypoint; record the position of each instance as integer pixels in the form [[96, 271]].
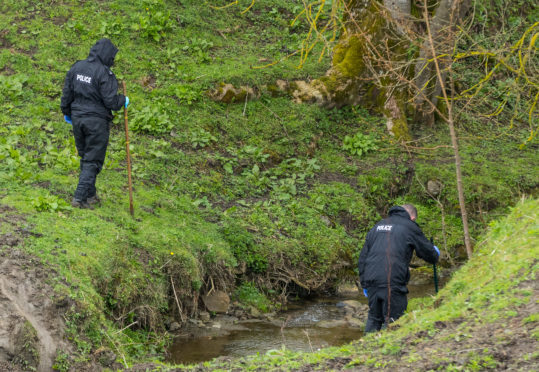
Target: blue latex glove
[[126, 101], [437, 250], [365, 292], [68, 119]]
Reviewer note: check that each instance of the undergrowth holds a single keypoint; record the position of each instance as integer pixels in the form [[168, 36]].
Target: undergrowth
[[224, 194]]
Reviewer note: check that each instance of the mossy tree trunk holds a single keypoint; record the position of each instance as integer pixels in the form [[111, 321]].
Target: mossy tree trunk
[[357, 74], [374, 62]]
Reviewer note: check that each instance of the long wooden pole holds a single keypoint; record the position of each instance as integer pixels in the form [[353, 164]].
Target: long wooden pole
[[131, 208]]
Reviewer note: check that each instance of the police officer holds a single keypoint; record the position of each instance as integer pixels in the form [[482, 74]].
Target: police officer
[[90, 93], [384, 264]]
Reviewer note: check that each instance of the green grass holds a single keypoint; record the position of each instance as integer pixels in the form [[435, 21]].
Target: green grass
[[266, 183]]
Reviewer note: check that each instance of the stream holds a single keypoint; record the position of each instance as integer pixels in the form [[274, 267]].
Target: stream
[[302, 331]]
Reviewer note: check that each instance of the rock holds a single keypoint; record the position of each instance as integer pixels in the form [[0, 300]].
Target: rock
[[326, 221], [238, 313], [174, 326], [351, 304], [204, 316], [421, 276], [227, 93], [347, 289], [255, 313], [282, 85], [434, 187], [217, 302], [105, 357], [269, 316], [355, 322]]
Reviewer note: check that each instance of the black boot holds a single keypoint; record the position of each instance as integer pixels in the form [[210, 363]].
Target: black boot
[[76, 203], [92, 200]]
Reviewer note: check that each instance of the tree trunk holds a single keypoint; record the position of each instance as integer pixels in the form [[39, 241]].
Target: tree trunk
[[442, 28], [357, 74], [399, 9]]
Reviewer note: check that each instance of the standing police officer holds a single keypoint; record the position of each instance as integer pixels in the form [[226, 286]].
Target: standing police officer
[[90, 93], [384, 264]]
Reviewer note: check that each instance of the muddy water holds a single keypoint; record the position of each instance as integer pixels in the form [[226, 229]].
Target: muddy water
[[299, 334]]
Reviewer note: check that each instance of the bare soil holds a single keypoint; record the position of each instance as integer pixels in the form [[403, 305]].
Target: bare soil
[[32, 323]]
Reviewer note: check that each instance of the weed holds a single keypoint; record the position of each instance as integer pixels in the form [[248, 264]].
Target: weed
[[154, 23], [202, 138], [244, 247], [11, 86], [49, 203], [248, 295], [151, 119], [111, 29], [186, 94], [61, 362], [199, 48], [359, 144]]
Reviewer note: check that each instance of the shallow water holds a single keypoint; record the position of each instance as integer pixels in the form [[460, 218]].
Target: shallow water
[[299, 334]]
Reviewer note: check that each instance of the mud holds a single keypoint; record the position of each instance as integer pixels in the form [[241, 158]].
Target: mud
[[31, 318]]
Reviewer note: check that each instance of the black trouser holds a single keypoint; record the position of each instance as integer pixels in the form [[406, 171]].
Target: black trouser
[[91, 138], [384, 308]]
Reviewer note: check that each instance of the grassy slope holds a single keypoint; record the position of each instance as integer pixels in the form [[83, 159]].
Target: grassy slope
[[486, 317], [278, 208]]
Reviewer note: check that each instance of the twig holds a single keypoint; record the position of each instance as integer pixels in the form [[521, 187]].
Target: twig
[[451, 124], [245, 106], [195, 304], [212, 287], [124, 328], [308, 339], [222, 34], [442, 211], [117, 349], [177, 302], [277, 116], [428, 148]]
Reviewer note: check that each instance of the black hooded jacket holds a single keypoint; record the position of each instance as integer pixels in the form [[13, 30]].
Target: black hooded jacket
[[388, 250], [90, 88]]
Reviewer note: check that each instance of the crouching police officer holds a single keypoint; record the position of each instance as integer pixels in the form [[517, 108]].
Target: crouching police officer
[[384, 264], [90, 93]]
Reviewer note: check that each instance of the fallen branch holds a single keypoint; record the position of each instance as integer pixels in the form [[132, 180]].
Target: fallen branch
[[177, 301]]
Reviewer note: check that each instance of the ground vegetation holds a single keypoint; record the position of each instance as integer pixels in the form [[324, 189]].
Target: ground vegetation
[[263, 199]]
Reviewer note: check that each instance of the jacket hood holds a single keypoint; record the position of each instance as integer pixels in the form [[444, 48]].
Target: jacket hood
[[399, 211], [104, 51]]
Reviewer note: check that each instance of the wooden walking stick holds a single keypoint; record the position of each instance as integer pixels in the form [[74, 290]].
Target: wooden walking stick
[[131, 209]]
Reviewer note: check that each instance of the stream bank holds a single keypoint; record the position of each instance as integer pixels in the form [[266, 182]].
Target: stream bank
[[306, 325]]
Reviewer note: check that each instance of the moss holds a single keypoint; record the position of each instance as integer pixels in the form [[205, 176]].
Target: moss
[[348, 81], [417, 11], [274, 90], [393, 108], [400, 129], [348, 57]]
